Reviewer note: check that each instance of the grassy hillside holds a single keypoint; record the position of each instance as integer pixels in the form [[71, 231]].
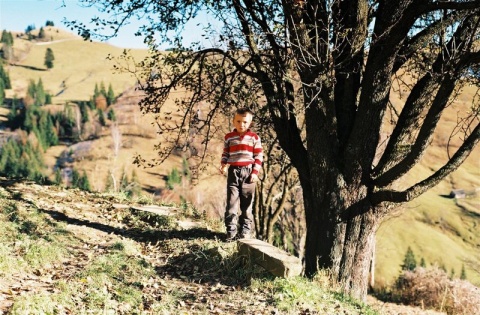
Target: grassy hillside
[[78, 65], [440, 230]]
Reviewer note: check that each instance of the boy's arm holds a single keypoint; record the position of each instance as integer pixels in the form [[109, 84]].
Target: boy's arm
[[225, 155], [258, 157]]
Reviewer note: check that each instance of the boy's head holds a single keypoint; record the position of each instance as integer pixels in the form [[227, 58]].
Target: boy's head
[[242, 119]]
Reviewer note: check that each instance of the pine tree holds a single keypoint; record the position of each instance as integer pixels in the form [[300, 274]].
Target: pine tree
[[101, 117], [91, 103], [111, 115], [422, 263], [10, 39], [49, 58], [41, 33], [67, 122], [124, 181], [83, 112], [30, 28], [110, 95], [136, 189], [32, 89], [75, 178], [2, 92], [51, 135], [30, 120], [7, 46], [21, 161], [186, 169], [103, 91], [109, 184], [5, 78], [41, 138], [173, 179], [12, 115], [5, 38], [58, 176], [49, 23], [83, 182], [15, 116], [9, 158], [6, 52], [96, 91], [463, 273], [33, 163], [409, 262], [40, 95]]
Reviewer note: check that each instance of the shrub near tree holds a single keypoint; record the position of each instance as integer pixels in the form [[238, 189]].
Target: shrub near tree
[[431, 288]]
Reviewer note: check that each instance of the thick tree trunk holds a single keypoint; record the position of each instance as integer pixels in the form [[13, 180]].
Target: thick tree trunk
[[343, 246]]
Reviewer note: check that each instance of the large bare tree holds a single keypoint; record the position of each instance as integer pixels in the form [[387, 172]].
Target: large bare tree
[[328, 66]]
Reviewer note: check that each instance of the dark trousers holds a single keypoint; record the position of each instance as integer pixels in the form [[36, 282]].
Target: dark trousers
[[239, 191]]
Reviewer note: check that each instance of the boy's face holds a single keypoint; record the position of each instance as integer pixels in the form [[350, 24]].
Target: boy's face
[[242, 122]]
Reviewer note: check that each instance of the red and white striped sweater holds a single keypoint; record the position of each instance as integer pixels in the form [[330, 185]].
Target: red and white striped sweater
[[243, 150]]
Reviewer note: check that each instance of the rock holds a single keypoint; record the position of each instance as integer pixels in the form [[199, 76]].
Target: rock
[[276, 261]]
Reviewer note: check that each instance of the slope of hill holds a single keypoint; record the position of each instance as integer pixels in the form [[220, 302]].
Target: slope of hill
[[65, 251], [440, 230], [78, 66]]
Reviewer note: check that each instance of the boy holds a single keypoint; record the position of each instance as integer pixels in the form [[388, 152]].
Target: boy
[[243, 157]]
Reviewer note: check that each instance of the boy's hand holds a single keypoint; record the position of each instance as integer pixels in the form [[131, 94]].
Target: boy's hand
[[253, 178], [223, 169]]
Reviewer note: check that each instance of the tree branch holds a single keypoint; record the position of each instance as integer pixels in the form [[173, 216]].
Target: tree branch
[[416, 190], [452, 5], [442, 78], [422, 38]]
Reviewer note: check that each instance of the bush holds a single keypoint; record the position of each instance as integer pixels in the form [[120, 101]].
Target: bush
[[432, 288]]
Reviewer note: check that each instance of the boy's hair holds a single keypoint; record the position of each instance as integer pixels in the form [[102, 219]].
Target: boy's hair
[[243, 111]]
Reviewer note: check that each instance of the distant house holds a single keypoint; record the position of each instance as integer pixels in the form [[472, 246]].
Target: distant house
[[458, 193]]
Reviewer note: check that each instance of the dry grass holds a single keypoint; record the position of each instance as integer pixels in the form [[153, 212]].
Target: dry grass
[[432, 288]]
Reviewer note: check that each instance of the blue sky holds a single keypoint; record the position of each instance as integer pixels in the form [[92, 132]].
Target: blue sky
[[16, 15]]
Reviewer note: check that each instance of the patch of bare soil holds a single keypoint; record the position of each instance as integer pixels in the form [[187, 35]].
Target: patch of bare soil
[[96, 222]]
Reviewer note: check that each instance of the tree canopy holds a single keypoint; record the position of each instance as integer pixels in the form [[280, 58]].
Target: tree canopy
[[320, 74]]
